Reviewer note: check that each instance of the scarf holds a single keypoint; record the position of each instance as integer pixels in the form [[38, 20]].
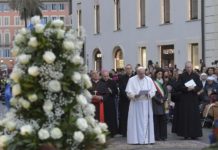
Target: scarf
[[159, 87]]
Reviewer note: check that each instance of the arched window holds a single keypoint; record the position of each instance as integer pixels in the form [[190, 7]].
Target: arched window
[[118, 59], [97, 59]]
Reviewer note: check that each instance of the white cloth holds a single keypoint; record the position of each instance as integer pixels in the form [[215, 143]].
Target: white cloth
[[140, 128]]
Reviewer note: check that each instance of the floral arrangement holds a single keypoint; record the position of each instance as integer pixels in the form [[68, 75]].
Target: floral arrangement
[[50, 104]]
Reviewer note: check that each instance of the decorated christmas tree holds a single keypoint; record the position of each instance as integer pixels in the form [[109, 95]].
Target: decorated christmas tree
[[51, 105]]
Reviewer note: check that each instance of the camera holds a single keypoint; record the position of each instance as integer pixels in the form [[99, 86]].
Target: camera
[[215, 62]]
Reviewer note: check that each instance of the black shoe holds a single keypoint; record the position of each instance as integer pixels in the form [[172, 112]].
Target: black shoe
[[185, 138], [194, 138]]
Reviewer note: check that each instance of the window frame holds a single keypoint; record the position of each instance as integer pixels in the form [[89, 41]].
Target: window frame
[[192, 14], [117, 15], [97, 18], [142, 13], [166, 12]]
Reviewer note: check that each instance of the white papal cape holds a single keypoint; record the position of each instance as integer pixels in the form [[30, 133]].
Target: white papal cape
[[140, 128]]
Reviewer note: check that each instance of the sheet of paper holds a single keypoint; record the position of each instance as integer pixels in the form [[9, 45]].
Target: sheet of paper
[[190, 83]]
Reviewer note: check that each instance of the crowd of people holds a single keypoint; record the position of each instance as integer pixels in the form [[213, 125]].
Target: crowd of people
[[138, 103]]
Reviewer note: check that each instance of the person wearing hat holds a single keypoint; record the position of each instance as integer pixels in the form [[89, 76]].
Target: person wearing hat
[[203, 78]]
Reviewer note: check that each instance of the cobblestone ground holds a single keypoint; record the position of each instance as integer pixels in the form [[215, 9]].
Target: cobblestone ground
[[173, 143]]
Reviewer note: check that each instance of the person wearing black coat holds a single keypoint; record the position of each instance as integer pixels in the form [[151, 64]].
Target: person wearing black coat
[[109, 91], [175, 95], [188, 119], [158, 102], [124, 100]]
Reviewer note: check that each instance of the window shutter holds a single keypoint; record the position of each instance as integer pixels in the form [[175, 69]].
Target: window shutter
[[98, 18], [142, 12], [166, 11], [194, 9], [118, 14]]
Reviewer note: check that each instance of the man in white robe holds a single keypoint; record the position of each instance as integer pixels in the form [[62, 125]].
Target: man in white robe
[[140, 89]]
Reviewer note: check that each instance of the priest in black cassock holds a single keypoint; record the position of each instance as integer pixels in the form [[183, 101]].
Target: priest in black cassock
[[108, 90], [124, 100], [188, 117]]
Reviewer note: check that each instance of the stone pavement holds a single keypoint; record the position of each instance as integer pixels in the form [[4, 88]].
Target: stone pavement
[[173, 143]]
